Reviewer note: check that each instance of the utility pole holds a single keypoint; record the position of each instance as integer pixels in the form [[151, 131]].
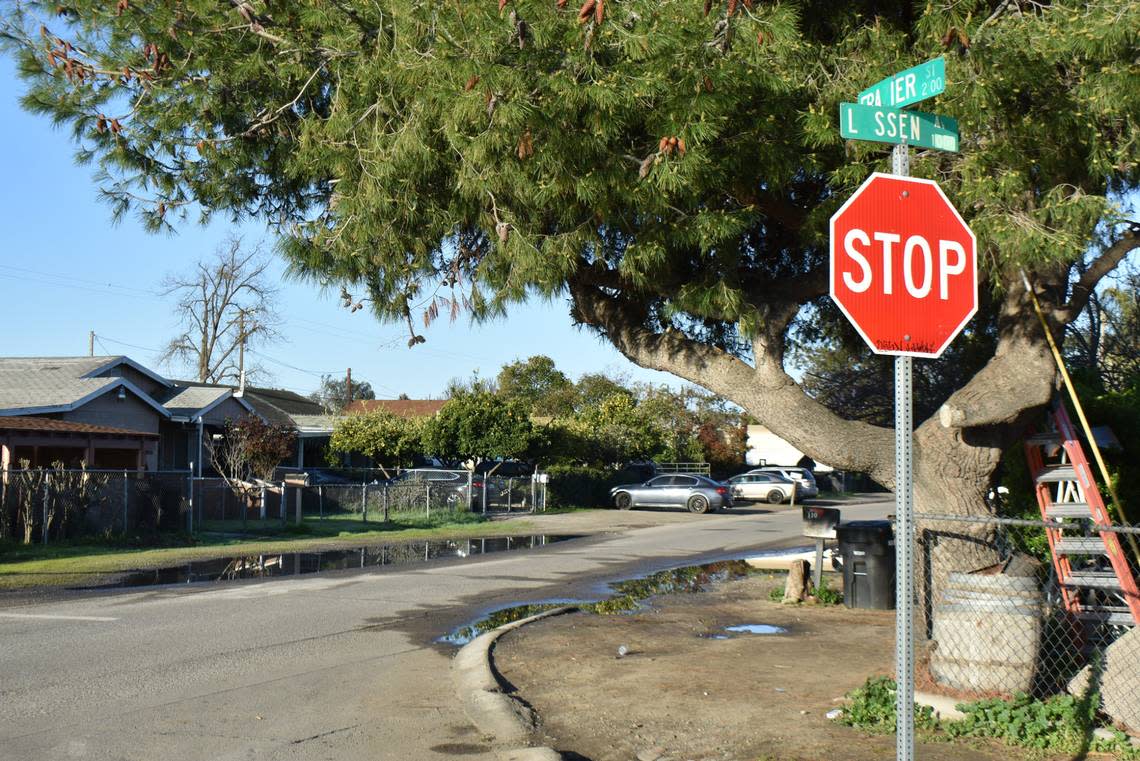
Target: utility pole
[[348, 384], [91, 344]]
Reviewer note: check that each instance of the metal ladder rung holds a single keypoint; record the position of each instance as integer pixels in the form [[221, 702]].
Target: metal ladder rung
[[1081, 545], [1114, 615], [1055, 473], [1047, 438], [1093, 580], [1068, 510]]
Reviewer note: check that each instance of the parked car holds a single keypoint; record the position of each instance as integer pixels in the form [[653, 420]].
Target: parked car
[[806, 487], [697, 494], [452, 484], [328, 478], [772, 488]]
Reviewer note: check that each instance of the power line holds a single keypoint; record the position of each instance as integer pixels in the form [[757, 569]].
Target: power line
[[100, 338], [98, 283]]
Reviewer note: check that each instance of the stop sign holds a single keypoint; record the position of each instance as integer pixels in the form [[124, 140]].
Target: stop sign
[[903, 266]]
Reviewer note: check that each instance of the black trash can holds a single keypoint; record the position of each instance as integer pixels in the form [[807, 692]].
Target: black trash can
[[867, 559]]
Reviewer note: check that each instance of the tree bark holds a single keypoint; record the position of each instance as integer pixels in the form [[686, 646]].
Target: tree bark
[[798, 585]]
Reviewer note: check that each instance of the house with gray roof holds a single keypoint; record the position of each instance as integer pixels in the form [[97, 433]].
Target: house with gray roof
[[112, 412]]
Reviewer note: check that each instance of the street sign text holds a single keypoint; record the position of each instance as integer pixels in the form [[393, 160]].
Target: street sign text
[[911, 86], [893, 125]]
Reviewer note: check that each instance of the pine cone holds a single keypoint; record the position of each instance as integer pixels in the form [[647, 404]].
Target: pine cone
[[526, 146], [646, 166], [586, 11]]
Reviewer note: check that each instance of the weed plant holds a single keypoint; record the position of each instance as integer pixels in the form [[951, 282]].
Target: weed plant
[[1059, 724]]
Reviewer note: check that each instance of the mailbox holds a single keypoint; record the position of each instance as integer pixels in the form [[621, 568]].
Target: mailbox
[[296, 479], [820, 522]]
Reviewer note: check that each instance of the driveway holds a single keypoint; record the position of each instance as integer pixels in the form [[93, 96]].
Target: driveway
[[333, 666]]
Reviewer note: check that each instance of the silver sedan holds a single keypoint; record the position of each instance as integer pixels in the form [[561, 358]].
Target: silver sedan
[[697, 494], [772, 488]]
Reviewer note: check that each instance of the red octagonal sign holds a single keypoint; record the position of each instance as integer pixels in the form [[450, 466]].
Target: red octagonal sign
[[904, 266]]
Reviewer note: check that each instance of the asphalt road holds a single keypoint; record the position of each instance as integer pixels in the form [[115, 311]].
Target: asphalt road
[[334, 666]]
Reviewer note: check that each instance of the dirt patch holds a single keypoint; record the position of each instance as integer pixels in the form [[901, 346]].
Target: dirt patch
[[678, 693]]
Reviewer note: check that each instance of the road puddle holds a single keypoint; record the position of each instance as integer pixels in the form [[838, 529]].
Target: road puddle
[[301, 563], [756, 629], [628, 596]]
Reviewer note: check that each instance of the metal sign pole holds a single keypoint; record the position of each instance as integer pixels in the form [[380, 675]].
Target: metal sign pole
[[904, 506]]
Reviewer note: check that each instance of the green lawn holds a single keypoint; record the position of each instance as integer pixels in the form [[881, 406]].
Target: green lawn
[[84, 563]]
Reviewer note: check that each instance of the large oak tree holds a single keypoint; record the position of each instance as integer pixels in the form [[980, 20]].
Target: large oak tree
[[667, 165]]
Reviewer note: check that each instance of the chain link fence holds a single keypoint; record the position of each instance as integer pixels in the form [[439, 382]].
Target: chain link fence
[[55, 504], [47, 505], [993, 618], [375, 496]]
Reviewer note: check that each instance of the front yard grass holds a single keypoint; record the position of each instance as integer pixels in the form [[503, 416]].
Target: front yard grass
[[84, 563]]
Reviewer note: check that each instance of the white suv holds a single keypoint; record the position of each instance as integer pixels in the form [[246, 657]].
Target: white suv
[[806, 487]]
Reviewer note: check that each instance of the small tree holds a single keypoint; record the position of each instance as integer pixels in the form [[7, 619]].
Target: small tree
[[537, 383], [249, 450], [334, 394], [29, 482], [386, 438], [619, 429], [480, 426], [73, 494]]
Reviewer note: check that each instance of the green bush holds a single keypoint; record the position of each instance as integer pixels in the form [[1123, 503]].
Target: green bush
[[584, 486]]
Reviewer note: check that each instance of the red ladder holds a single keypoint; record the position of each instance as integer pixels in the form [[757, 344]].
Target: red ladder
[[1067, 489]]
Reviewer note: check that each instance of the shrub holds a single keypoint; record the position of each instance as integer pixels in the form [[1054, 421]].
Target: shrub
[[584, 485]]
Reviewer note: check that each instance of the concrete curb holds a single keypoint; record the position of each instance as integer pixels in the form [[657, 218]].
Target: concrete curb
[[505, 720]]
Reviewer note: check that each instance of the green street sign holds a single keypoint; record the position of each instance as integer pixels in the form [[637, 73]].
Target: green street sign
[[894, 125], [917, 83]]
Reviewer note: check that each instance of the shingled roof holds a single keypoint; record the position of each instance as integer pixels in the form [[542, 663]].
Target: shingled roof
[[409, 408], [38, 385], [51, 425]]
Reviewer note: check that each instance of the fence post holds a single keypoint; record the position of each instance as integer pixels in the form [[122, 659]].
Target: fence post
[[43, 520], [363, 507], [470, 491], [283, 518], [126, 501], [510, 485], [190, 512], [385, 503], [485, 477], [321, 499], [428, 483], [261, 504]]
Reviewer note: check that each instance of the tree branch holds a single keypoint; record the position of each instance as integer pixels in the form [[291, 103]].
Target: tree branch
[[769, 393], [1105, 263], [1018, 377]]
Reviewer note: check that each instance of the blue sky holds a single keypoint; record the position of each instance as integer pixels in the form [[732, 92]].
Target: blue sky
[[66, 269]]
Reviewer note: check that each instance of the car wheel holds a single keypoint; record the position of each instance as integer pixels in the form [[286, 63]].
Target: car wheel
[[775, 497], [623, 501], [698, 504]]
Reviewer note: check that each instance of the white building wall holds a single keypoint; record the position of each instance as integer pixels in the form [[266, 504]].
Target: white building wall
[[767, 446]]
